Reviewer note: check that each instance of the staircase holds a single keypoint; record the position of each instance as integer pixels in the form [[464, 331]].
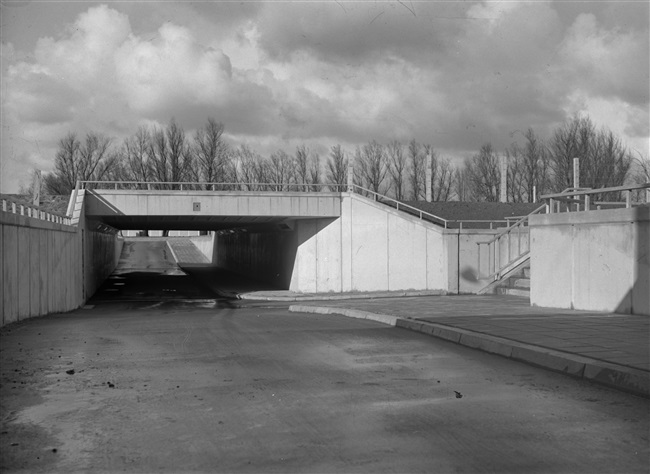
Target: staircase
[[517, 284]]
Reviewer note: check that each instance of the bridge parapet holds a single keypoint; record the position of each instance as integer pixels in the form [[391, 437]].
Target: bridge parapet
[[107, 202]]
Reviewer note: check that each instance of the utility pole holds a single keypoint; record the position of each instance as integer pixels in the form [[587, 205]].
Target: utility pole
[[428, 178], [350, 178], [36, 188], [576, 173], [504, 179]]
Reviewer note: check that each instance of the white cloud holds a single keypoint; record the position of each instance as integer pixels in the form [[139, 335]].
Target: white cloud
[[609, 63], [453, 74]]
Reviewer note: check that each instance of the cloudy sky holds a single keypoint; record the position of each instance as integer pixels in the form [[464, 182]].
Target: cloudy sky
[[455, 74]]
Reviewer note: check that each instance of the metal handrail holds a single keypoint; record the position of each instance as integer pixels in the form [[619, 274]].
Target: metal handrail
[[573, 196], [399, 204], [585, 191], [494, 246], [204, 184]]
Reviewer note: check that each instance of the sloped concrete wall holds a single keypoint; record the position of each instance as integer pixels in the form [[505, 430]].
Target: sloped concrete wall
[[205, 244], [370, 248], [596, 260]]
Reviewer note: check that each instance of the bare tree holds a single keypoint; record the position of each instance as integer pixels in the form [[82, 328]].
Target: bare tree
[[397, 169], [169, 154], [315, 172], [483, 174], [211, 153], [516, 189], [604, 161], [371, 162], [135, 156], [442, 178], [535, 166], [462, 186], [417, 168], [250, 168], [301, 160], [77, 161], [280, 170], [337, 168]]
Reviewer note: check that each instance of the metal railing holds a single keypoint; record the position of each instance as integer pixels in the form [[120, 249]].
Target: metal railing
[[503, 243], [581, 199], [571, 199], [206, 186], [34, 212]]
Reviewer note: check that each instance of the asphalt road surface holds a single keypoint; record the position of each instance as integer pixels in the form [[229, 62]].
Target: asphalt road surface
[[181, 381]]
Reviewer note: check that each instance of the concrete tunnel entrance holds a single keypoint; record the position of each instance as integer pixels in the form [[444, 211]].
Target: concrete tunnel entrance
[[223, 262], [253, 236]]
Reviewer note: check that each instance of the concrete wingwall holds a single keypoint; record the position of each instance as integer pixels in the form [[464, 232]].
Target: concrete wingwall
[[44, 268], [595, 260], [41, 271], [101, 254], [371, 247]]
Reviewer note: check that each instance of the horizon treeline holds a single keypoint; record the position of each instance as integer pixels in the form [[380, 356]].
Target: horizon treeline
[[396, 169]]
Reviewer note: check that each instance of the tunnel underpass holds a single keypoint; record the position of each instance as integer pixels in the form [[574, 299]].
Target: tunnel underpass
[[148, 272]]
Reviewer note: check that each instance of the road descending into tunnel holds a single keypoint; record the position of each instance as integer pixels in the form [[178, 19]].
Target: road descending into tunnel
[[161, 375]]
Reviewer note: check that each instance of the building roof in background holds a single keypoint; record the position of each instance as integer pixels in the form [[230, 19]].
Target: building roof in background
[[492, 211]]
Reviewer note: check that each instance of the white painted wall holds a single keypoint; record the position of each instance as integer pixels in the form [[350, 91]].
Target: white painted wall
[[595, 260]]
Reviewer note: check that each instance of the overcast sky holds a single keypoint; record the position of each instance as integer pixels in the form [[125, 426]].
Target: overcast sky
[[455, 74]]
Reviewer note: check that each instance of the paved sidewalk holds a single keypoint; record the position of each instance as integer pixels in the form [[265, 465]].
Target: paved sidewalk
[[611, 349]]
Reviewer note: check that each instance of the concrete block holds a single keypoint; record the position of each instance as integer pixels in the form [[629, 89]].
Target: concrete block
[[487, 344], [622, 378], [449, 334], [549, 359], [409, 324]]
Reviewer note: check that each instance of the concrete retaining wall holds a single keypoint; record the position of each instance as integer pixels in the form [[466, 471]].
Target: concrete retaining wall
[[369, 248], [41, 269], [263, 256], [101, 255], [596, 260], [205, 244]]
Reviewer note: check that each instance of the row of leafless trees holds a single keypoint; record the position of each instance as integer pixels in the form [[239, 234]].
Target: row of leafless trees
[[395, 169]]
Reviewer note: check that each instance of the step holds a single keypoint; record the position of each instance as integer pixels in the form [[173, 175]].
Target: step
[[513, 292], [520, 283]]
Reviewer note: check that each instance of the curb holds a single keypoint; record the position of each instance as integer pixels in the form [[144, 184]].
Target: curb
[[616, 376], [339, 297]]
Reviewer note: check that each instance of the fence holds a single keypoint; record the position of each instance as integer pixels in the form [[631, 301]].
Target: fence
[[35, 212]]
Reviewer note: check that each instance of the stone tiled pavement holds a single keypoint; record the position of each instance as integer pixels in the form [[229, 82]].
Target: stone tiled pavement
[[185, 251], [608, 348], [615, 338]]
